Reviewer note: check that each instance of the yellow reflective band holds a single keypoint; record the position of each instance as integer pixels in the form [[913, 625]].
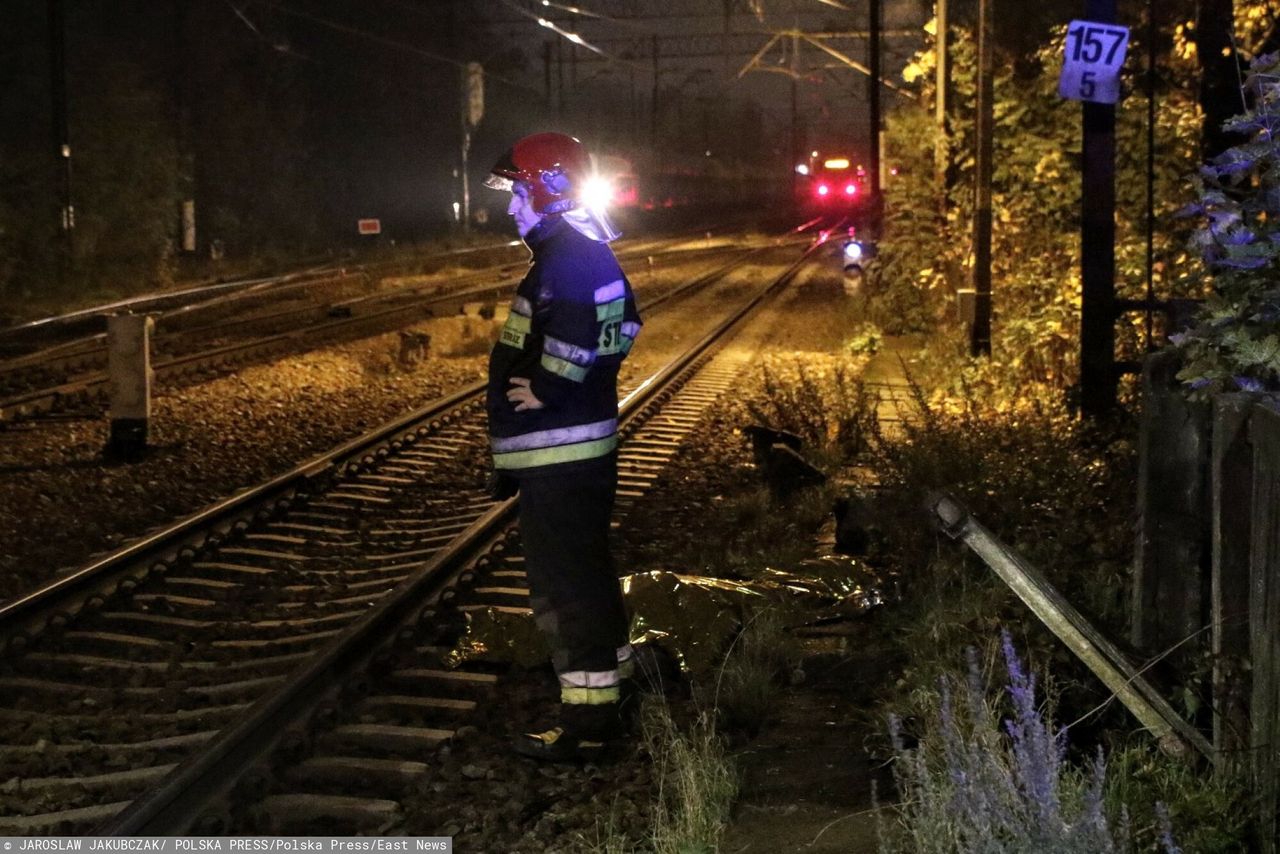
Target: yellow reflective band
[[514, 331], [589, 696], [558, 454], [611, 310], [564, 368]]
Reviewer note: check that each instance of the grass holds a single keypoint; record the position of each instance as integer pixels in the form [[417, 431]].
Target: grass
[[989, 770], [758, 664], [696, 780], [1061, 493], [696, 784]]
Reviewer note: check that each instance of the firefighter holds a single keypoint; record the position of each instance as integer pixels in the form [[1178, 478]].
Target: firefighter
[[553, 418]]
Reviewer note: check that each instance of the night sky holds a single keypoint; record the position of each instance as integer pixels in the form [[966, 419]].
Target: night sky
[[286, 121]]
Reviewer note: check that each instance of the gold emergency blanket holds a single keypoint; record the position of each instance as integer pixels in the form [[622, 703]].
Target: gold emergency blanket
[[692, 617]]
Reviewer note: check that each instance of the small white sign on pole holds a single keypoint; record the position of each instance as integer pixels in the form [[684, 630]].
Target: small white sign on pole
[[1091, 65]]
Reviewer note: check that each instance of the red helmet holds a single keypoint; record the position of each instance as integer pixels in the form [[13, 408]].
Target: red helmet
[[552, 166]]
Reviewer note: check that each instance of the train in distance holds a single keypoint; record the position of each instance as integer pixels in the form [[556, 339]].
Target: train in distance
[[832, 184]]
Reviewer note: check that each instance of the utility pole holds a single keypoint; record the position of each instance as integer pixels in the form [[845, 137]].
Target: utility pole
[[942, 86], [1098, 246], [794, 153], [1151, 168], [560, 78], [653, 105], [873, 107], [980, 329], [61, 123], [465, 151], [546, 72]]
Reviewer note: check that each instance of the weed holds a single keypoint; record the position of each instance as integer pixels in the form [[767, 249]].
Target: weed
[[757, 665], [1161, 792], [978, 782], [696, 781], [820, 400]]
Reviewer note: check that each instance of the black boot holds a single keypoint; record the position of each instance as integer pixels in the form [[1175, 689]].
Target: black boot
[[584, 734]]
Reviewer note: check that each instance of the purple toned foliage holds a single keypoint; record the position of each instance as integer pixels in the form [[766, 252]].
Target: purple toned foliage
[[982, 783]]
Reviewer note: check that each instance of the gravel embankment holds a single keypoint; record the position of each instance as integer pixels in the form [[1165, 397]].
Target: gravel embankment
[[60, 503]]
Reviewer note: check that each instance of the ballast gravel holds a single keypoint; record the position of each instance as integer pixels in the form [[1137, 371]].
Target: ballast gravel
[[61, 502]]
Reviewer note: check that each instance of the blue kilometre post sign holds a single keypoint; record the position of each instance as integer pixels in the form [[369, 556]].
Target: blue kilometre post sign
[[1091, 67]]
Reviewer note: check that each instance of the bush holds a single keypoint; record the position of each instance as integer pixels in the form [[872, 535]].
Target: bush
[[757, 665], [980, 783], [1236, 343], [822, 401]]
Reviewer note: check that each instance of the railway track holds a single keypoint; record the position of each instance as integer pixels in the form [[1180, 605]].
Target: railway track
[[72, 376], [258, 627]]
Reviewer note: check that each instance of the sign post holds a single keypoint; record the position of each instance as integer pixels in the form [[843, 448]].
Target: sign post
[[980, 325], [472, 113], [1095, 53]]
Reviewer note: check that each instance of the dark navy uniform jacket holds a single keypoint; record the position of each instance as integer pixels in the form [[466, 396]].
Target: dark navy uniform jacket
[[572, 322]]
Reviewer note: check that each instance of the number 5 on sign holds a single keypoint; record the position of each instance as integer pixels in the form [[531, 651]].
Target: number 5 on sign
[[1091, 67]]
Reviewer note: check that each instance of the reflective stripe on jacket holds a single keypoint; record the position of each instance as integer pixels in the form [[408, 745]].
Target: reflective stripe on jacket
[[570, 325]]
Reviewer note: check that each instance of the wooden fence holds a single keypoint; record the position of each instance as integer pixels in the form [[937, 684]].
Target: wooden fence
[[1208, 563]]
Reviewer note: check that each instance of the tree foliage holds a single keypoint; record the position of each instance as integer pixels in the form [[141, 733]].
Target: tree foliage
[[1236, 343], [1036, 204]]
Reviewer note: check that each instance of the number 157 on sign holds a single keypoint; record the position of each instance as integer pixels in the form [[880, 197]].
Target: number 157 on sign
[[1091, 67]]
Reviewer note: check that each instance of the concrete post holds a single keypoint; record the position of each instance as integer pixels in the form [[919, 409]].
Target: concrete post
[[129, 383]]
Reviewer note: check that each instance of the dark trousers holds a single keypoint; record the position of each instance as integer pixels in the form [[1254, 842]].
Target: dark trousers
[[574, 590]]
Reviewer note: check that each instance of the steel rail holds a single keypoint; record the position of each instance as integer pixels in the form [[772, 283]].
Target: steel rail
[[92, 385], [30, 613], [199, 782], [225, 292]]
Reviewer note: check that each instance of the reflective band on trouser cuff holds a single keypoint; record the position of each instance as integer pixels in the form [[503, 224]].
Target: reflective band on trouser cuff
[[558, 454], [589, 696], [564, 368], [588, 678]]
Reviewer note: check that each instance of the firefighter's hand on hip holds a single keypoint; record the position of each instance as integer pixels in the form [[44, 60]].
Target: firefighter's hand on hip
[[522, 395]]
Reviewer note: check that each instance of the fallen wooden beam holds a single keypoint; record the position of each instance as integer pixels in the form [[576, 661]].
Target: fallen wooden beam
[[1175, 735]]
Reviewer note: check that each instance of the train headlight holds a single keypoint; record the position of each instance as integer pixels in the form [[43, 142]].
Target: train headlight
[[852, 252], [823, 189], [597, 193], [850, 189]]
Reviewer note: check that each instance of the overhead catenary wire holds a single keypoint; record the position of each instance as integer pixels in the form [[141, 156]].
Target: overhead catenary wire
[[279, 47], [387, 42], [567, 35]]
